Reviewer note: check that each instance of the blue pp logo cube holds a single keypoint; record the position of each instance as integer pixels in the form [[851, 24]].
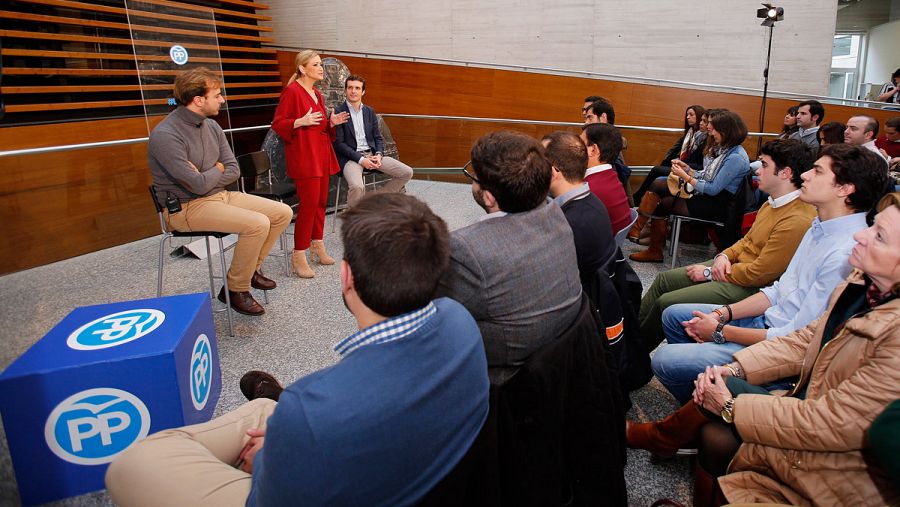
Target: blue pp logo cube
[[102, 379]]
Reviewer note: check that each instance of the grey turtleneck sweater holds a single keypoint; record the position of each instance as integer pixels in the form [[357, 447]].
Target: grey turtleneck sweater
[[185, 136]]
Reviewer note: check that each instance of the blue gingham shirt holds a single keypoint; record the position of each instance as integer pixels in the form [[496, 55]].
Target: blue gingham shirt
[[387, 330]]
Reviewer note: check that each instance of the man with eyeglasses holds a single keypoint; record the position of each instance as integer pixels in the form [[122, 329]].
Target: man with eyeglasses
[[515, 269]]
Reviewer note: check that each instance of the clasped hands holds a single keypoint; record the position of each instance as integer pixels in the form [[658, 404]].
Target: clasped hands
[[248, 453], [720, 270], [678, 169], [710, 391], [315, 117], [371, 162]]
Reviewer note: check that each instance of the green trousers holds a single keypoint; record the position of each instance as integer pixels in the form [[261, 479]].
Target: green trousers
[[673, 287]]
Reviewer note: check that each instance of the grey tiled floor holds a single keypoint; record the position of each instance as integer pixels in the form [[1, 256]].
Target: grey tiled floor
[[303, 320]]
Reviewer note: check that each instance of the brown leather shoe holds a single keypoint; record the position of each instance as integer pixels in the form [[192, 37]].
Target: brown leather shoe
[[242, 302], [667, 437], [258, 281], [259, 384]]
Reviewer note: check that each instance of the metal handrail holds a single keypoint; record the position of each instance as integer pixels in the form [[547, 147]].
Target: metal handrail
[[138, 140], [584, 73]]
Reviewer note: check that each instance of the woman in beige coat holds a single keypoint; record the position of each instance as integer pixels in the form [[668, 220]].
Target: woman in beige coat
[[807, 447]]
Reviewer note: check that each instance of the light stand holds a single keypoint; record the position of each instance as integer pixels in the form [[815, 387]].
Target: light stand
[[771, 15]]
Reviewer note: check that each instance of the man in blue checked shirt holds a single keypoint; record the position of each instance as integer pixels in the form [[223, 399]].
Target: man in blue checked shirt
[[381, 427], [843, 185]]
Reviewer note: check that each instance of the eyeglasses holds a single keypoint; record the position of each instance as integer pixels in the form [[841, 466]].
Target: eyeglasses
[[470, 175]]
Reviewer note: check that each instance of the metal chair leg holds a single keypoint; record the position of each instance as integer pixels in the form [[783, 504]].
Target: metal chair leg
[[676, 234], [224, 283], [337, 200], [159, 275]]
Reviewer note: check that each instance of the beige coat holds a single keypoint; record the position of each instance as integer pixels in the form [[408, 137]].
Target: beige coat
[[808, 452]]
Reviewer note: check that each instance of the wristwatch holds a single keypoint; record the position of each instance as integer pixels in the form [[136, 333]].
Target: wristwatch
[[707, 273], [718, 336], [728, 411]]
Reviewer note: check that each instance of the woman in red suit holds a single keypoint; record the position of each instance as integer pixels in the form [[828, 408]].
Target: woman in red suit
[[302, 121]]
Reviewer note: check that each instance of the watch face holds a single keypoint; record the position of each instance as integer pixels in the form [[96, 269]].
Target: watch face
[[727, 415], [718, 337], [707, 272]]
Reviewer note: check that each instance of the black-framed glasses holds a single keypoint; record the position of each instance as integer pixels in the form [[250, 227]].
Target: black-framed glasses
[[469, 175]]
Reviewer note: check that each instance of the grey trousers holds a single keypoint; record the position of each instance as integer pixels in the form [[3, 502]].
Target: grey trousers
[[399, 172]]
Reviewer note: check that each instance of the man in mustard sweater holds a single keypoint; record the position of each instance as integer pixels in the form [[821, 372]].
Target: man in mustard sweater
[[755, 261]]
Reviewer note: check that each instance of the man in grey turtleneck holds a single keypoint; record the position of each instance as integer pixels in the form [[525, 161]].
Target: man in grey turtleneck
[[190, 160]]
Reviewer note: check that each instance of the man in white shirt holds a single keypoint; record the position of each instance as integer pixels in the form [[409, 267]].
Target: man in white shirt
[[862, 130], [359, 145], [810, 114]]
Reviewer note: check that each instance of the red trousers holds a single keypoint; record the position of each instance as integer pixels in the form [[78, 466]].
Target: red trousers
[[310, 224]]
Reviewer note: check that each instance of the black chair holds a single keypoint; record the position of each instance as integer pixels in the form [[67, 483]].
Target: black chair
[[255, 167], [207, 235]]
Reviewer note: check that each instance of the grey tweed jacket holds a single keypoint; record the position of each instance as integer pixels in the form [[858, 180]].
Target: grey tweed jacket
[[518, 276]]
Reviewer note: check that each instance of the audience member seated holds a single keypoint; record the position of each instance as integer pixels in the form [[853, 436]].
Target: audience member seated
[[803, 448], [842, 185], [889, 142], [191, 164], [862, 131], [708, 191], [359, 145], [757, 260], [516, 269], [601, 111], [831, 133], [790, 123], [688, 149], [810, 114], [380, 427], [604, 142], [586, 214]]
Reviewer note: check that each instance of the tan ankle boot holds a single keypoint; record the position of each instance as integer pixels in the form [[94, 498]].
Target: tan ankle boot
[[654, 252], [301, 267], [665, 437], [317, 249], [648, 205]]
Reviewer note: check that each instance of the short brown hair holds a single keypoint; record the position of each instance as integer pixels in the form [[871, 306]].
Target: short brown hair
[[397, 250], [862, 168], [513, 167], [354, 77], [892, 199], [195, 83], [607, 138], [567, 153]]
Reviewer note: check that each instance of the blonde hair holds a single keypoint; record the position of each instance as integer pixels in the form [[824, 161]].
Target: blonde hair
[[195, 83], [302, 59]]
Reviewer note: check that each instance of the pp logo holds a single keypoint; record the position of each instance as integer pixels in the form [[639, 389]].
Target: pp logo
[[178, 54], [93, 426], [201, 372], [115, 329]]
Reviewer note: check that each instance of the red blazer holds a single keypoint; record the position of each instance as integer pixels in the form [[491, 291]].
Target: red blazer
[[307, 150]]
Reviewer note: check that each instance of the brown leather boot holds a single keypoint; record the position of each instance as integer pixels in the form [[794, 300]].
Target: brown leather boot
[[648, 205], [665, 437], [654, 252], [300, 264], [706, 489]]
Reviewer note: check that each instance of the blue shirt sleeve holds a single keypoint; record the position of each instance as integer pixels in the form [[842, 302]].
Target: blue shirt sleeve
[[735, 167]]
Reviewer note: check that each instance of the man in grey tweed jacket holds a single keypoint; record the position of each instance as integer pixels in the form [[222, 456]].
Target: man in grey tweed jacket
[[515, 270]]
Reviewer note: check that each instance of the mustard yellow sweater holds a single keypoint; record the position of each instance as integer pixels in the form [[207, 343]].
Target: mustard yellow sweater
[[761, 256]]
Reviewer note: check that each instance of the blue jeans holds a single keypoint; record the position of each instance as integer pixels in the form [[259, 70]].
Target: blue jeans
[[678, 363]]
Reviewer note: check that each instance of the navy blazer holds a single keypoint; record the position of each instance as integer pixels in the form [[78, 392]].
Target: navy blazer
[[345, 142]]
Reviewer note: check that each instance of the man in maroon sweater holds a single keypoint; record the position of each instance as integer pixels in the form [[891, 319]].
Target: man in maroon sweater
[[604, 142]]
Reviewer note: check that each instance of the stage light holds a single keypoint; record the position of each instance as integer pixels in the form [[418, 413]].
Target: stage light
[[770, 14]]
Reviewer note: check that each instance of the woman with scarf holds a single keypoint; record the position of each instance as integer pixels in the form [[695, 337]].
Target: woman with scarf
[[688, 148], [809, 446], [711, 189]]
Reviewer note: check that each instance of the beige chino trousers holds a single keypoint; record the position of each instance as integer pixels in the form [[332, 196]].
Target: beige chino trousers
[[257, 221], [189, 466], [399, 172]]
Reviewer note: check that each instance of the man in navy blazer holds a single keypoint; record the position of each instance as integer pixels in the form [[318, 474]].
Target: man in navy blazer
[[359, 145]]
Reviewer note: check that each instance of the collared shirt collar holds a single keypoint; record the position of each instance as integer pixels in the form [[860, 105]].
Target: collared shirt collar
[[575, 193], [351, 108], [597, 169], [786, 198], [387, 330], [811, 130], [821, 229], [496, 214]]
